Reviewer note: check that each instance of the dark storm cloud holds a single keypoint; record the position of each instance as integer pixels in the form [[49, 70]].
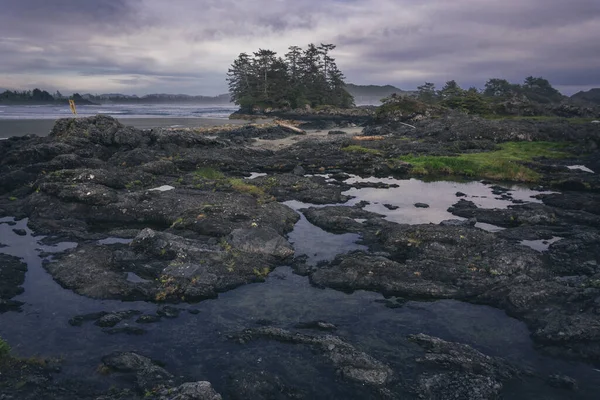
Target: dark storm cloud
[[64, 17], [187, 45]]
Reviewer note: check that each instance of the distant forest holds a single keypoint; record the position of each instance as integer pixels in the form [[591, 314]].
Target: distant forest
[[498, 97], [37, 96], [301, 77]]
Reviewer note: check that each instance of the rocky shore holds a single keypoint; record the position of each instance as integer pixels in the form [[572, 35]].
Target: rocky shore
[[172, 217]]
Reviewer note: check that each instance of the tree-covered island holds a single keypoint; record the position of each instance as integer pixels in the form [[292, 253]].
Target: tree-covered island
[[302, 77]]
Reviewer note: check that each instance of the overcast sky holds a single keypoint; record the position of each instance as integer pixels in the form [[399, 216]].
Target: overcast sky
[[186, 46]]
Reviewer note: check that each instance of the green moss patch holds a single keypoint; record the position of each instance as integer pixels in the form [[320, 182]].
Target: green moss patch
[[502, 164], [209, 173]]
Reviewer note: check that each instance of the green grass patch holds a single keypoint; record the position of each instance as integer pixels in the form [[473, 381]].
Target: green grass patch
[[13, 198], [359, 149], [240, 186], [134, 184], [209, 173], [502, 164], [237, 184]]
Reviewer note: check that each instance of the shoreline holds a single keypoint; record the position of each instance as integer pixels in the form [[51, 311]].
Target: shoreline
[[42, 127]]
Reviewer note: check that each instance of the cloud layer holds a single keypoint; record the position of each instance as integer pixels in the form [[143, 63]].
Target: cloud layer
[[186, 46]]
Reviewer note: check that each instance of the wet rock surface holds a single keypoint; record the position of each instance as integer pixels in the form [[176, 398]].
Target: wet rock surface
[[461, 372], [173, 268], [156, 382], [351, 363], [196, 228], [554, 295], [12, 277]]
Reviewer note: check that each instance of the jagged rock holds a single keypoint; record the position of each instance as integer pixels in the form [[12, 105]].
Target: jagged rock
[[465, 372], [261, 241], [168, 311], [12, 276], [351, 363], [316, 325], [298, 171], [148, 374], [148, 319], [78, 320], [112, 319], [562, 382], [190, 391]]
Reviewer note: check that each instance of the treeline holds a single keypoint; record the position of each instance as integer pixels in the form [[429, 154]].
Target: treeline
[[37, 96], [498, 97], [117, 98], [301, 77]]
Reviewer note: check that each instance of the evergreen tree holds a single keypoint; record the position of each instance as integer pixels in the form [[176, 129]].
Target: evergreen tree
[[427, 92], [540, 90], [302, 77], [499, 88]]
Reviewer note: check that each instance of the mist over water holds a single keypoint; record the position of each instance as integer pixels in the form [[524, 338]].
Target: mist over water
[[119, 111]]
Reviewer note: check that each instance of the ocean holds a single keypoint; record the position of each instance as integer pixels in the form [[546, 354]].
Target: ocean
[[119, 111], [39, 120]]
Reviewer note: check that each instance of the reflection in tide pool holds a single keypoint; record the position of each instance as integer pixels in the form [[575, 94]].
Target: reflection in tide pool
[[195, 346], [439, 195]]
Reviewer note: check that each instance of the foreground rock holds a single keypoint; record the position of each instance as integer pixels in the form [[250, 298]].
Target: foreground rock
[[351, 363], [12, 276], [459, 371], [172, 268], [155, 381], [463, 262]]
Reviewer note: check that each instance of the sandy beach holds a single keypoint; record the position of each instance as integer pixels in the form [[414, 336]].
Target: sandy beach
[[42, 127]]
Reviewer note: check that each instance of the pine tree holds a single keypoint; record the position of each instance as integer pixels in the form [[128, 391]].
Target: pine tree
[[302, 77]]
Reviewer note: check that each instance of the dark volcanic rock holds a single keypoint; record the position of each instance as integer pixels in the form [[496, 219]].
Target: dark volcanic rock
[[523, 214], [338, 219], [375, 185], [152, 378], [260, 385], [314, 189], [190, 391], [112, 319], [12, 276], [589, 202], [351, 363], [459, 222], [148, 374], [562, 382], [168, 311], [20, 232], [391, 207], [421, 205], [90, 270], [78, 320], [462, 262], [316, 325], [147, 319], [172, 267], [261, 241], [462, 372]]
